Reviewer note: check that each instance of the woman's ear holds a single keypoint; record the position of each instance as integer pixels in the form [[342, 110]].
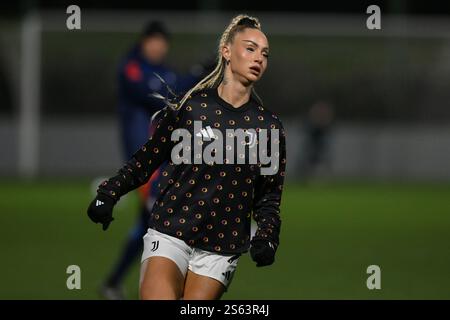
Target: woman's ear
[[226, 53]]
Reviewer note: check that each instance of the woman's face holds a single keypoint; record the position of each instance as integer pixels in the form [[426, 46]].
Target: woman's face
[[248, 54]]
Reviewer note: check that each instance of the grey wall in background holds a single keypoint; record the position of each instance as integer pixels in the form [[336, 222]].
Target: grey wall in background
[[91, 147]]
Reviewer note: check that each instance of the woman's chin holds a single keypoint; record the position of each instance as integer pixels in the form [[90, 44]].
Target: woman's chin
[[251, 78]]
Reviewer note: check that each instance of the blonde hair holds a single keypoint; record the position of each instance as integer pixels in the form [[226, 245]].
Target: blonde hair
[[213, 79]]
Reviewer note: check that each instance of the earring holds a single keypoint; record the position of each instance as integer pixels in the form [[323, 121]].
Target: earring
[[228, 62]]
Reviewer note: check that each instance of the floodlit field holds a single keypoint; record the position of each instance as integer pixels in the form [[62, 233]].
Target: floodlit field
[[331, 233]]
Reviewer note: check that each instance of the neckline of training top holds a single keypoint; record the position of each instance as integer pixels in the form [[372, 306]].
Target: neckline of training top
[[215, 93]]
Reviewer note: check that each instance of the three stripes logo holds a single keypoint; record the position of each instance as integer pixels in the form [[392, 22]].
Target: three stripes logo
[[98, 203], [227, 275], [207, 133]]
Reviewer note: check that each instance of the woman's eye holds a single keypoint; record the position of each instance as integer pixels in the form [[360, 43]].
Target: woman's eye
[[250, 49], [266, 55]]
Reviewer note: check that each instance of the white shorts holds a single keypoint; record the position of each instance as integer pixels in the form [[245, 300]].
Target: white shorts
[[205, 263]]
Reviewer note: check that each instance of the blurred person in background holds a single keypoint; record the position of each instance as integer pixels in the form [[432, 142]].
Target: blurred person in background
[[317, 133], [142, 73], [200, 224]]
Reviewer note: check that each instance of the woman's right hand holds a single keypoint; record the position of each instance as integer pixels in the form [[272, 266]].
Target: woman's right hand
[[100, 210]]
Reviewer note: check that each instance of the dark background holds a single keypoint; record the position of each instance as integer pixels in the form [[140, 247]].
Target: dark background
[[379, 196]]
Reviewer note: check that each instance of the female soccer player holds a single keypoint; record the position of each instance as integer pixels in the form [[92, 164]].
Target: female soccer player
[[200, 224]]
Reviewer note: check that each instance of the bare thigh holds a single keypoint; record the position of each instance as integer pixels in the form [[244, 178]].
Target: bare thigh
[[199, 287], [161, 279]]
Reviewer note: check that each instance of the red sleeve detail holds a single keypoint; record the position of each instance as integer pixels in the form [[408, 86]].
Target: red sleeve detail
[[133, 71]]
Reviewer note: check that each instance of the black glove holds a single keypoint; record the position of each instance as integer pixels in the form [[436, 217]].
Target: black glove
[[262, 252], [100, 210]]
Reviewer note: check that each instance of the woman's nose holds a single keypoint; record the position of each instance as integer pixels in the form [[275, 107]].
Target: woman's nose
[[258, 58]]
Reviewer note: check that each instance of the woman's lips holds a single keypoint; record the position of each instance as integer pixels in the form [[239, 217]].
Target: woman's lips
[[255, 69]]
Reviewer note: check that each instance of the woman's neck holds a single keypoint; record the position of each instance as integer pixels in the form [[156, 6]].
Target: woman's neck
[[234, 92]]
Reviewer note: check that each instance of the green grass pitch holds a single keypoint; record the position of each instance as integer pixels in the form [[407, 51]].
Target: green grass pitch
[[331, 233]]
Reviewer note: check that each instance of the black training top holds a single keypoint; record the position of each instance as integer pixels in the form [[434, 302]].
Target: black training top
[[209, 205]]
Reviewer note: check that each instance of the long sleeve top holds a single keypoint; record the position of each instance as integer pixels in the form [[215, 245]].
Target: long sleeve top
[[209, 203]]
